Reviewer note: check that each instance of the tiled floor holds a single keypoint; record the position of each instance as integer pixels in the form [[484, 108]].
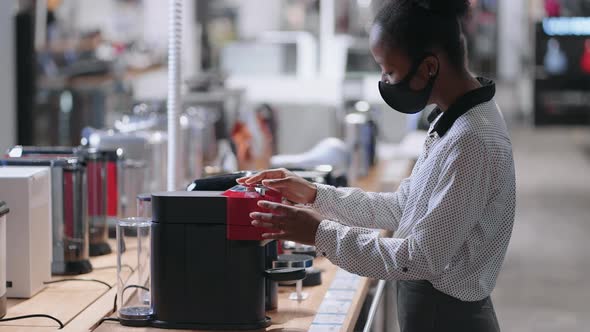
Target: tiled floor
[[545, 281]]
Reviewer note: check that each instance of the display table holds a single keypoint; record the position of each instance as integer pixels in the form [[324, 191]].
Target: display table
[[81, 305], [291, 315]]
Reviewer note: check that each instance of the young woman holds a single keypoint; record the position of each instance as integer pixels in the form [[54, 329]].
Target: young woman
[[453, 216]]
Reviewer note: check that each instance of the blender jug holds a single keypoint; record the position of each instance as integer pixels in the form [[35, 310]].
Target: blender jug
[[133, 271]]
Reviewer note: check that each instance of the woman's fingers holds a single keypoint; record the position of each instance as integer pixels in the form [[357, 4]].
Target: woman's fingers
[[278, 208], [275, 236], [264, 175], [270, 217], [287, 222], [278, 184], [268, 220], [274, 220], [267, 225], [288, 202]]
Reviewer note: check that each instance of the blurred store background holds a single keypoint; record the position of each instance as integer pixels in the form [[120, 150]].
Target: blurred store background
[[262, 78]]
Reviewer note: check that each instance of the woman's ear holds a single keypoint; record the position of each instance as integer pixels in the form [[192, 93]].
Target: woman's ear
[[432, 65], [428, 69]]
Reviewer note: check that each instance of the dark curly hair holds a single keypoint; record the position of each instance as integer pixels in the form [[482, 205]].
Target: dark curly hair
[[421, 26]]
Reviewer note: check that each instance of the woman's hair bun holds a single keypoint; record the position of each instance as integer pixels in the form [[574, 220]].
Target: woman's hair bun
[[457, 8]]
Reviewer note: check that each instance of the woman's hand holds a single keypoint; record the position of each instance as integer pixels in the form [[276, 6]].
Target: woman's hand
[[292, 187], [287, 222]]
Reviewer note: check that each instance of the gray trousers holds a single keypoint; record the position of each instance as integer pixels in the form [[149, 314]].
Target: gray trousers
[[422, 308]]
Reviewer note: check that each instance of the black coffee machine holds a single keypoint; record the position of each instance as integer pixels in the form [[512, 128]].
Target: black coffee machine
[[209, 267], [200, 279]]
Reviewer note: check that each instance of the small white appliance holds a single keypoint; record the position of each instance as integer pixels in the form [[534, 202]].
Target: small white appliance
[[27, 191]]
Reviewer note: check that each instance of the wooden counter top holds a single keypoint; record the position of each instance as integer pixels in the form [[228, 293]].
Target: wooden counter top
[[64, 301], [81, 305], [292, 315]]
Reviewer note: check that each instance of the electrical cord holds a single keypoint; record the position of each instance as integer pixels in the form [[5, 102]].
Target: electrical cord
[[114, 267], [78, 279], [136, 286], [61, 325], [109, 319]]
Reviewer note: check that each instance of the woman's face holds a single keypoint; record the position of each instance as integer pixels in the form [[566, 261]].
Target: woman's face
[[396, 64]]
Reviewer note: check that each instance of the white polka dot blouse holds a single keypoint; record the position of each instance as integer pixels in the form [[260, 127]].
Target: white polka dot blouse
[[452, 217]]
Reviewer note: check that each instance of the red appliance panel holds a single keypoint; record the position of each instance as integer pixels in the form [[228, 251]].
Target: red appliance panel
[[240, 203]]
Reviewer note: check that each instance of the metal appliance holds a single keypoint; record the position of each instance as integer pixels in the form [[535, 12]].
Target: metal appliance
[[69, 212], [3, 212], [19, 151], [134, 154], [197, 138], [103, 168], [96, 180], [27, 190], [145, 149], [361, 141], [115, 161]]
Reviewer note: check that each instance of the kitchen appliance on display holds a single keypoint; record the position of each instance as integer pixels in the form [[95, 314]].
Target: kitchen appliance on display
[[296, 261], [158, 166], [115, 175], [330, 151], [227, 181], [3, 214], [133, 270], [211, 110], [112, 159], [132, 170], [203, 138], [213, 229], [314, 275], [20, 151], [102, 168], [149, 120], [27, 190], [96, 180], [69, 212], [361, 142]]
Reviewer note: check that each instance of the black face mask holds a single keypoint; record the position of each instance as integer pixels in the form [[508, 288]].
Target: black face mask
[[400, 95]]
